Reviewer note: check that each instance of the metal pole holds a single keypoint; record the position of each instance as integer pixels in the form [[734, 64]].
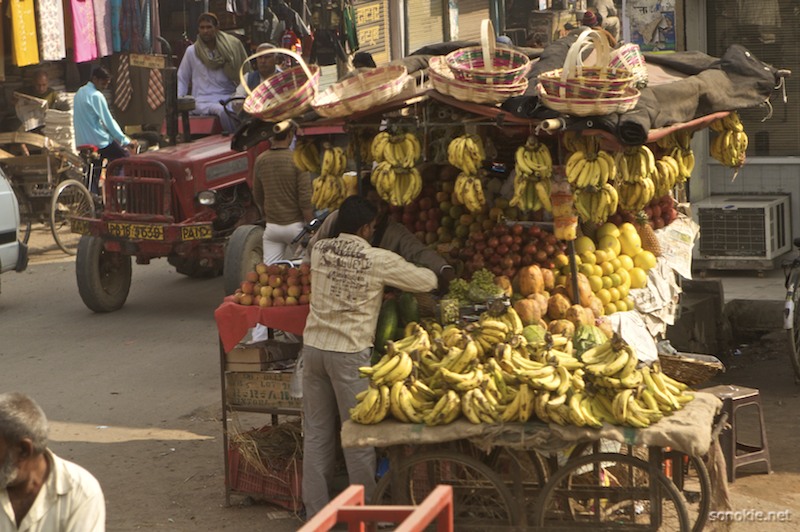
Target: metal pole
[[170, 76]]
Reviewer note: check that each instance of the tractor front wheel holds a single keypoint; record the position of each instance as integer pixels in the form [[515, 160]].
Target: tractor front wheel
[[104, 277], [245, 249]]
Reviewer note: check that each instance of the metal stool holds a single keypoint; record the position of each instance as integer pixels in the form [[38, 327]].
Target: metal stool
[[737, 453]]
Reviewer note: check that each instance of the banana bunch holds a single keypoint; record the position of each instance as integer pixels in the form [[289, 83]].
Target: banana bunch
[[446, 410], [574, 141], [533, 159], [397, 185], [373, 406], [596, 204], [334, 161], [635, 196], [468, 191], [410, 402], [730, 145], [491, 330], [329, 191], [590, 169], [679, 146], [360, 145], [667, 175], [526, 196], [466, 153], [401, 150], [635, 164], [306, 156]]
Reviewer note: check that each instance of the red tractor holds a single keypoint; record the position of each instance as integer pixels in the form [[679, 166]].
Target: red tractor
[[181, 202]]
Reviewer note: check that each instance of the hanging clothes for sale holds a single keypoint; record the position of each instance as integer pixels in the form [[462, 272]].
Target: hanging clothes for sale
[[52, 45], [115, 6], [147, 34], [130, 24], [146, 86], [85, 38], [155, 27], [350, 29], [24, 45], [102, 28]]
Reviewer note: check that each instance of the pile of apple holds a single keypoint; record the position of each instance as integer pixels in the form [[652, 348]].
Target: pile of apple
[[276, 285], [503, 249], [660, 212], [612, 264]]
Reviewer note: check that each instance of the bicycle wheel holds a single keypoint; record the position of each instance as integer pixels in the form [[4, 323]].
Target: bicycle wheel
[[71, 198], [480, 498], [609, 490], [793, 299]]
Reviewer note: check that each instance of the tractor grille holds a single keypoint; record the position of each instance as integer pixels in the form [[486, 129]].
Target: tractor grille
[[140, 188]]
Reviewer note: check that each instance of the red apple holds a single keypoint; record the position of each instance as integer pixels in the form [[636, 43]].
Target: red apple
[[246, 299], [291, 301], [247, 287], [304, 299], [275, 281], [278, 302], [251, 276], [261, 268], [277, 292]]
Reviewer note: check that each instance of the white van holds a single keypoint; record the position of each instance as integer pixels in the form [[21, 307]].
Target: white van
[[13, 253]]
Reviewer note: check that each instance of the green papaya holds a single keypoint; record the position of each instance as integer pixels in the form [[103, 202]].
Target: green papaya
[[408, 308], [534, 334], [388, 324], [586, 337]]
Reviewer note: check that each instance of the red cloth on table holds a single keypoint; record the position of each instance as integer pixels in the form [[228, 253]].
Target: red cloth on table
[[234, 320]]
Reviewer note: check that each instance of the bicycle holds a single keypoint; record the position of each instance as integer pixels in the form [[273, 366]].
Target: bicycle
[[72, 197], [791, 319]]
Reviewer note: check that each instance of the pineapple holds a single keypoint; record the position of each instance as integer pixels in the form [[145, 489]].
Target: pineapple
[[647, 234]]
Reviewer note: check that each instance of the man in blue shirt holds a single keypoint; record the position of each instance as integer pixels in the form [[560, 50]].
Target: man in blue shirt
[[95, 125]]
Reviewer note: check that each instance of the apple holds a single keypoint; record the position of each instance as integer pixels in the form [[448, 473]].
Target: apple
[[294, 291], [502, 249], [277, 292], [251, 276], [305, 269], [291, 301], [273, 269], [261, 268], [304, 299], [265, 301], [305, 289], [431, 226], [237, 296], [247, 287], [266, 291], [275, 281], [278, 302], [517, 230], [247, 299], [425, 204], [293, 281], [263, 278], [305, 280]]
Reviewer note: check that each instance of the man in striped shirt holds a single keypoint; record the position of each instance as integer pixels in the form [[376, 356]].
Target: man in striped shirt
[[348, 276]]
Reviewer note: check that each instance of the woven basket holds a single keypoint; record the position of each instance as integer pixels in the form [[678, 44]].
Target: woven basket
[[629, 57], [588, 90], [589, 106], [445, 82], [487, 64], [689, 370], [361, 92], [283, 95]]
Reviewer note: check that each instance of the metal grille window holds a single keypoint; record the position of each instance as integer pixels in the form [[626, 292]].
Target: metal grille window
[[768, 28]]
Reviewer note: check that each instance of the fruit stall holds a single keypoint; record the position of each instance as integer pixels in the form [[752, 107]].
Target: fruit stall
[[533, 384]]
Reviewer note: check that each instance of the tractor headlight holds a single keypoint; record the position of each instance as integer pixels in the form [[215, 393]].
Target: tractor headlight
[[206, 198]]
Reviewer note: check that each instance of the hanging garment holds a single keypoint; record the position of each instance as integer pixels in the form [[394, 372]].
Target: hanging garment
[[122, 83], [155, 28], [131, 26], [116, 13], [155, 89], [85, 40], [102, 27], [51, 30], [147, 36], [24, 46]]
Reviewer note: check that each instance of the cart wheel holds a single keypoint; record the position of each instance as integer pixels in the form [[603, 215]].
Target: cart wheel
[[480, 498], [26, 217], [245, 249], [70, 198], [615, 489], [104, 277]]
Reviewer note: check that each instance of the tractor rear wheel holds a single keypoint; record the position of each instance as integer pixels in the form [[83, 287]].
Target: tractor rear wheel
[[245, 249], [104, 277]]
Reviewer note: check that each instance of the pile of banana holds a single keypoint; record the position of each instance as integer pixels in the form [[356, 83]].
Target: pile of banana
[[489, 373], [679, 146], [730, 145], [667, 175], [534, 168], [306, 156], [395, 178], [330, 188]]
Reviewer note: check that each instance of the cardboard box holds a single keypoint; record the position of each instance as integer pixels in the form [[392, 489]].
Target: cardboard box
[[266, 389], [259, 356]]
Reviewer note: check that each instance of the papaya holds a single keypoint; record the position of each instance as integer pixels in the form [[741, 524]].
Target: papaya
[[530, 280], [529, 311], [407, 308], [388, 324]]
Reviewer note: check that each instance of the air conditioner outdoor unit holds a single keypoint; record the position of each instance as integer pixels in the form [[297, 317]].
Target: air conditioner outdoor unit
[[744, 227]]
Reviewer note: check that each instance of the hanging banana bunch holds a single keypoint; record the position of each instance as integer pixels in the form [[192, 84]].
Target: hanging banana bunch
[[678, 145], [635, 196], [575, 141], [730, 145], [666, 175], [635, 163], [533, 165], [594, 204], [306, 156], [360, 145], [396, 185], [466, 153], [401, 150], [330, 188], [590, 169]]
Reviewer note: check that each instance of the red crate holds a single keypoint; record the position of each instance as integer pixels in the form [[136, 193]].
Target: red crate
[[280, 486]]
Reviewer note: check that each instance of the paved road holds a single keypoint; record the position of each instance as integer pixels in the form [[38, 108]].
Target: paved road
[[132, 395]]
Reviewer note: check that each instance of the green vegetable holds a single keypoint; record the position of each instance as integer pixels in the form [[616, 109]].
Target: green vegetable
[[586, 337], [534, 334], [388, 325], [408, 308]]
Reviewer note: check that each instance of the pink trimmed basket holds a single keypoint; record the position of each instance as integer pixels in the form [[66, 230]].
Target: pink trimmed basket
[[445, 82], [283, 95], [362, 91], [629, 57], [487, 64], [590, 106]]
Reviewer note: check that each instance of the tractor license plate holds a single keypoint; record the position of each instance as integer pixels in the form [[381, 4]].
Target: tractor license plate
[[79, 226], [136, 231], [196, 232]]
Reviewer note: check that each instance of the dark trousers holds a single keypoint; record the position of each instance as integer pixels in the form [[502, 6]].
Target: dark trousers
[[110, 153]]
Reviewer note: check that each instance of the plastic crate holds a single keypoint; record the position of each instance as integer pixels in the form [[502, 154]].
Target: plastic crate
[[280, 486]]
